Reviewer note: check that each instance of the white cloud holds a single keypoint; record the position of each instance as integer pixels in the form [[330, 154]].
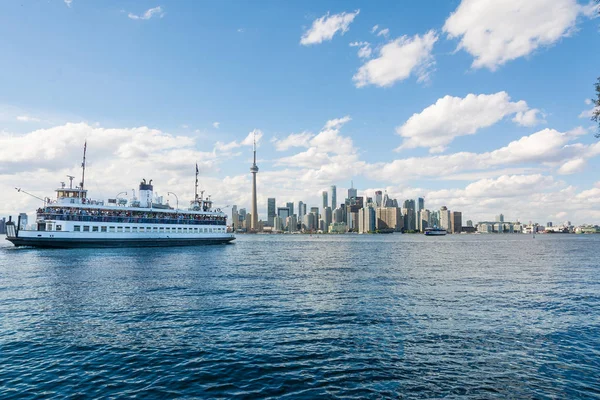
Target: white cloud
[[397, 60], [588, 102], [384, 32], [324, 28], [547, 148], [68, 3], [256, 134], [374, 29], [216, 124], [27, 118], [365, 49], [437, 125], [293, 140], [148, 14], [495, 32], [529, 118], [572, 166]]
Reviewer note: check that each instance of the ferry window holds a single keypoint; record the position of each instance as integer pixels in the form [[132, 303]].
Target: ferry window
[[94, 229], [127, 229], [48, 227], [119, 229], [86, 228], [111, 228], [134, 229], [142, 229], [205, 230], [59, 227], [162, 229], [195, 230], [179, 230], [77, 228], [102, 229], [184, 230], [155, 229]]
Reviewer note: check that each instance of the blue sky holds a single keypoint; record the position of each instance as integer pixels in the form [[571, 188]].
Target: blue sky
[[157, 86]]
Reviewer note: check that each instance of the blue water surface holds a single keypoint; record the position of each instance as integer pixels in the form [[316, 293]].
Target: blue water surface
[[296, 316]]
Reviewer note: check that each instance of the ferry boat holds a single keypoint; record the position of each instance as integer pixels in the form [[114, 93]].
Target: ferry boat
[[75, 220], [435, 232]]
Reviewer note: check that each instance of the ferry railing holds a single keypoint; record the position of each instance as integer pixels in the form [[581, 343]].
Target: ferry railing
[[134, 220]]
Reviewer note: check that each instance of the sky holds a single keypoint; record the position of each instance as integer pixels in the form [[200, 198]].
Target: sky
[[479, 105]]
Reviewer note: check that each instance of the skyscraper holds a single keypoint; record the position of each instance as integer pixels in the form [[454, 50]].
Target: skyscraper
[[333, 197], [456, 221], [324, 194], [420, 206], [271, 207], [445, 219], [290, 205], [254, 171], [379, 198], [301, 210], [410, 215], [352, 193]]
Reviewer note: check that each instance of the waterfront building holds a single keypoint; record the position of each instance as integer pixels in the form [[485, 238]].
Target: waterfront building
[[248, 222], [388, 218], [424, 220], [283, 213], [315, 210], [327, 218], [434, 219], [254, 171], [3, 226], [366, 220], [379, 198], [235, 218], [469, 222], [338, 215], [324, 194], [420, 205], [410, 223], [456, 221], [485, 227], [301, 209], [291, 223], [445, 219], [271, 210], [290, 206], [338, 227], [333, 197], [277, 224], [24, 221], [500, 218]]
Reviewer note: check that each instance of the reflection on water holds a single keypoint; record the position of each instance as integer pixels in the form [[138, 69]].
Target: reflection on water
[[270, 316]]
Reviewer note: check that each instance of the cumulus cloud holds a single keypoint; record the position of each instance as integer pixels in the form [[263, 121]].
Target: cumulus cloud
[[324, 28], [548, 148], [216, 124], [68, 3], [158, 11], [293, 140], [495, 32], [529, 118], [397, 60], [437, 125]]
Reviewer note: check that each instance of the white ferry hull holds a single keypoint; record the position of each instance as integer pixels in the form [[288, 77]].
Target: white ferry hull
[[55, 239]]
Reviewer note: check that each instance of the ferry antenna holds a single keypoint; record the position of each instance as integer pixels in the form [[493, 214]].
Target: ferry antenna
[[83, 165]]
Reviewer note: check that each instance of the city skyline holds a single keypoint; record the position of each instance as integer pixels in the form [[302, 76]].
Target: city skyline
[[321, 87]]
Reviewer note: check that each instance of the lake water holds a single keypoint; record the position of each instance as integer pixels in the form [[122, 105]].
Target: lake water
[[372, 316]]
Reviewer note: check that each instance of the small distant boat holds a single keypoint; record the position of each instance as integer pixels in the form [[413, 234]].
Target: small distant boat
[[435, 232]]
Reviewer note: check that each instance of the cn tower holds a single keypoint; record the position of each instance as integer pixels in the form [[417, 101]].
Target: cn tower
[[254, 171]]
